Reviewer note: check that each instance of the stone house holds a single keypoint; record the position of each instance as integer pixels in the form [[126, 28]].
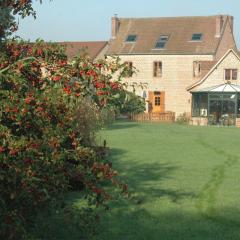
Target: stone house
[[177, 56]]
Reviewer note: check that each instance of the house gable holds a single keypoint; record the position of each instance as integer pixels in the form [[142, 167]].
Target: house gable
[[215, 76]]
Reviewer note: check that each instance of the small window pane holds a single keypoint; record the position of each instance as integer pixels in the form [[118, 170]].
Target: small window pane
[[157, 101], [196, 68], [160, 45], [227, 74], [196, 105], [163, 38], [162, 42], [157, 69], [234, 74], [131, 38], [238, 107], [196, 36]]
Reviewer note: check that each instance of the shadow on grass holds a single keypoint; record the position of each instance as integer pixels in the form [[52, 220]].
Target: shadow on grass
[[122, 124], [129, 219], [140, 224], [145, 179]]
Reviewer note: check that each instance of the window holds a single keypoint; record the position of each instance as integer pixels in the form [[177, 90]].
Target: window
[[227, 74], [199, 105], [234, 74], [196, 68], [130, 69], [131, 38], [197, 37], [231, 74], [162, 42], [157, 69], [157, 101]]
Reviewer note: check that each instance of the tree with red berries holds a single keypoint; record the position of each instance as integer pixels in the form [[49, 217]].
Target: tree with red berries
[[43, 153]]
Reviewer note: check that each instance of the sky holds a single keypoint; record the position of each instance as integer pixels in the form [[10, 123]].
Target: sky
[[90, 20]]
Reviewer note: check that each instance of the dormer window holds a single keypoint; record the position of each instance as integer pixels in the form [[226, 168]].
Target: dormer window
[[131, 38], [162, 42], [196, 37]]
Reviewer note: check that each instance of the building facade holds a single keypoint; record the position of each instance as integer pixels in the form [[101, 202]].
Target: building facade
[[173, 55]]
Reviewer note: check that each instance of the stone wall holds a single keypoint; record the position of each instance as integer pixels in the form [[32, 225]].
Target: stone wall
[[238, 122], [199, 121], [177, 75]]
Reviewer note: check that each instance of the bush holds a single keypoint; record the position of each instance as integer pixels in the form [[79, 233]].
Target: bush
[[47, 121], [133, 104], [183, 118]]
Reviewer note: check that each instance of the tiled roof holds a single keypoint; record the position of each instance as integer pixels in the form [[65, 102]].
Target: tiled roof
[[92, 48], [179, 30], [206, 66]]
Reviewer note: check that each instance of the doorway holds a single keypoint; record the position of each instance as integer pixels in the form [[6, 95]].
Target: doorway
[[156, 101]]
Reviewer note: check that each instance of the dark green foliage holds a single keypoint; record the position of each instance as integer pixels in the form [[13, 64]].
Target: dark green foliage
[[7, 21], [133, 104], [47, 132]]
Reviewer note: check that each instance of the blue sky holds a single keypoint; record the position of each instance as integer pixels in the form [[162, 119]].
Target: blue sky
[[78, 20]]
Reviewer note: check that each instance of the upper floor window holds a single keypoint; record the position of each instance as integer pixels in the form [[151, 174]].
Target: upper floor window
[[196, 68], [162, 42], [196, 37], [131, 38], [157, 69], [231, 74], [129, 72]]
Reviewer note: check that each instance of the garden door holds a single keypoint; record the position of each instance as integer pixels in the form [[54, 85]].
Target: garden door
[[156, 101]]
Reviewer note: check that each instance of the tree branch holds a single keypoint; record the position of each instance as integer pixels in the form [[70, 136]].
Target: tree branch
[[21, 60]]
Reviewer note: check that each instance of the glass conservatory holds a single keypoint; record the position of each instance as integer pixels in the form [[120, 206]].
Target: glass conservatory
[[219, 104]]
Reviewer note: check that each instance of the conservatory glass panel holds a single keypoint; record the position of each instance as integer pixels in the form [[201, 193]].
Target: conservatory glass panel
[[215, 108], [196, 105], [203, 105], [238, 106], [228, 109]]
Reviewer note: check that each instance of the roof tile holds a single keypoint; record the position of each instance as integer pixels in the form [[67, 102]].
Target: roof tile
[[92, 48], [179, 29]]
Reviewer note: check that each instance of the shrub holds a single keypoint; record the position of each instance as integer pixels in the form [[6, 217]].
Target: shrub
[[183, 118], [133, 104], [45, 135]]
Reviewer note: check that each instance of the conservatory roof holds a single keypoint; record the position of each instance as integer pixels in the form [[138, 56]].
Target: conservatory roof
[[226, 87]]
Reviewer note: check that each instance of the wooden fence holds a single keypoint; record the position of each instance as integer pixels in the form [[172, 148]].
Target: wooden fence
[[153, 117]]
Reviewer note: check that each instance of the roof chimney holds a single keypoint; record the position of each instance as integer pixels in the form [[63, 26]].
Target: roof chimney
[[115, 26], [219, 26]]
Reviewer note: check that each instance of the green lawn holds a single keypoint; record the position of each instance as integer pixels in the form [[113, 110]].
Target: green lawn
[[184, 182]]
